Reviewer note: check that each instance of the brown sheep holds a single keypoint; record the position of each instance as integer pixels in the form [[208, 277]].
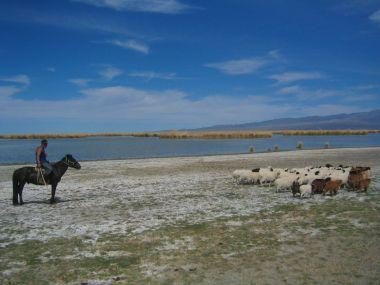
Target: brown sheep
[[359, 178], [317, 186], [354, 180], [332, 186], [364, 184], [366, 173]]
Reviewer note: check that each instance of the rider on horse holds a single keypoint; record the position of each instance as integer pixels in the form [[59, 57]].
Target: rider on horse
[[41, 159]]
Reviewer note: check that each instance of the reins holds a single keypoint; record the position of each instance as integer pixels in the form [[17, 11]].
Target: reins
[[67, 162], [43, 178]]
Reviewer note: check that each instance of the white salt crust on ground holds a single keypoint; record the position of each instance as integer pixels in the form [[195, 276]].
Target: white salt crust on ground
[[131, 196]]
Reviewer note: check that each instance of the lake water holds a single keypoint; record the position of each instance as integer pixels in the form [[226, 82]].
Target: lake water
[[99, 148]]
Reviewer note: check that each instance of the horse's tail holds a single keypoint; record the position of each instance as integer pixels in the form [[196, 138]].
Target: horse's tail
[[15, 188]]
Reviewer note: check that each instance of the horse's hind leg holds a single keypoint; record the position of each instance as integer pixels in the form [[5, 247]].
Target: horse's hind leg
[[53, 188]]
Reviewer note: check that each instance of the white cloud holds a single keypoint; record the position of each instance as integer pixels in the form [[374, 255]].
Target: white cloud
[[166, 109], [170, 108], [289, 77], [81, 82], [309, 94], [375, 17], [245, 65], [366, 87], [238, 67], [110, 72], [360, 98], [74, 21], [20, 79], [7, 91], [153, 75], [315, 96], [132, 45], [331, 109], [290, 90], [275, 54], [152, 6]]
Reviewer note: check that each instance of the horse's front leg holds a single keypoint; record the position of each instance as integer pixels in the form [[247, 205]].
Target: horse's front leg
[[53, 188], [20, 192]]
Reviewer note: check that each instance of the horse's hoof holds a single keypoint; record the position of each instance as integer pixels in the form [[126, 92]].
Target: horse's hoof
[[52, 201], [15, 204]]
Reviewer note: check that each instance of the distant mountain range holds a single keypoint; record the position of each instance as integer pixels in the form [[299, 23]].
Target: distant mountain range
[[365, 120]]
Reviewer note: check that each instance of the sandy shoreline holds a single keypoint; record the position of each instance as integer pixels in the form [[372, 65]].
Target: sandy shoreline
[[134, 199]]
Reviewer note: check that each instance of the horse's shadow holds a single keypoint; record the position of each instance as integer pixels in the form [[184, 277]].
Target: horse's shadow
[[57, 201]]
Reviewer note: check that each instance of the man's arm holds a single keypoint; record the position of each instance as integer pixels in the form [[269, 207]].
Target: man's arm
[[38, 154]]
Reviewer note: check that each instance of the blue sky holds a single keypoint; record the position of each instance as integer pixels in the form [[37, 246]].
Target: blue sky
[[135, 65]]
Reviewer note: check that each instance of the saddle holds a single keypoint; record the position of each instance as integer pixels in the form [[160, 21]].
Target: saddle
[[40, 173]]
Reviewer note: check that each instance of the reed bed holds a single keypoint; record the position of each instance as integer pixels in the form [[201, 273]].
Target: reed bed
[[162, 135], [215, 135], [197, 134], [60, 136]]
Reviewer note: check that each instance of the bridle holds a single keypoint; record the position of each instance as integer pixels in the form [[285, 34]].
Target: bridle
[[68, 163]]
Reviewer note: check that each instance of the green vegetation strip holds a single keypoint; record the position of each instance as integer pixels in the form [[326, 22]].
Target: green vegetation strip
[[292, 244]]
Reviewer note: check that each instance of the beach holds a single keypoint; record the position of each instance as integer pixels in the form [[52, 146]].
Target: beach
[[183, 220]]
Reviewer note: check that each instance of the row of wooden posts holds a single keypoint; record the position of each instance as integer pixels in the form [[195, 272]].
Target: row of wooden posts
[[299, 145]]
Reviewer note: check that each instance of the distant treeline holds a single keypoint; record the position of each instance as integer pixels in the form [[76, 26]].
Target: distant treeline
[[199, 134]]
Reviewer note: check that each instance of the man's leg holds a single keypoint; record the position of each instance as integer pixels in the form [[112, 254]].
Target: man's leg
[[48, 167]]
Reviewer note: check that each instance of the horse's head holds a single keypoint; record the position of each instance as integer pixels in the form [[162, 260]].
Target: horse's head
[[70, 161]]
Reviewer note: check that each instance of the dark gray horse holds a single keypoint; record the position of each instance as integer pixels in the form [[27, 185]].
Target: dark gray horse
[[29, 175]]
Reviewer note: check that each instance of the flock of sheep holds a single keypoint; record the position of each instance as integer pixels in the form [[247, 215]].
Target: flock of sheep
[[309, 180]]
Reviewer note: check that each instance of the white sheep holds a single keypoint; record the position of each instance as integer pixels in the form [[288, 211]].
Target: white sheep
[[244, 176], [340, 174], [283, 179], [304, 178], [285, 182], [267, 176], [305, 190]]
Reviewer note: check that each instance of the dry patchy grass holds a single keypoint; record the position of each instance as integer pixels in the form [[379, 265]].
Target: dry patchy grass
[[198, 134]]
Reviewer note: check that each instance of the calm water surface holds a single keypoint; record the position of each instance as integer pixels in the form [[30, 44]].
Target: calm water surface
[[98, 148]]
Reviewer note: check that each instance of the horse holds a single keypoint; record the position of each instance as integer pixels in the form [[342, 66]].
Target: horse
[[29, 174]]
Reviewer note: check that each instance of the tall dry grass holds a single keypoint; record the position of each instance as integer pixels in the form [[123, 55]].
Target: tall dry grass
[[197, 134], [59, 136], [215, 135]]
